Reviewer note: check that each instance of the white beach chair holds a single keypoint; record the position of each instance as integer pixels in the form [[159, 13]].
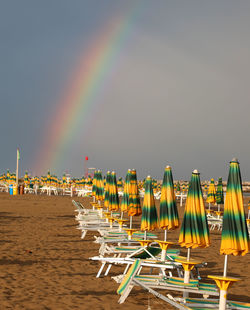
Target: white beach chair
[[153, 282]]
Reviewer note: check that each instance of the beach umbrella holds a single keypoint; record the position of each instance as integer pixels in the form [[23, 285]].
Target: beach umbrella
[[234, 236], [211, 194], [48, 180], [94, 186], [8, 176], [169, 219], [219, 194], [99, 187], [194, 229], [178, 187], [26, 178], [126, 191], [113, 193], [119, 183], [106, 192], [149, 220], [134, 199]]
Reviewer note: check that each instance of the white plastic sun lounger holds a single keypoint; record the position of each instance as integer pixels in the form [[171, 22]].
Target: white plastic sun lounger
[[152, 282]]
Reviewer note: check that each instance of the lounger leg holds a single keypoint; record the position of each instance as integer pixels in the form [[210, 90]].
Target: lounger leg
[[84, 232], [107, 270], [100, 270], [126, 269], [163, 272]]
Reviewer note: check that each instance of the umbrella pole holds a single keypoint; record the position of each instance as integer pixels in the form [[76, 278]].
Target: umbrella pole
[[145, 235], [122, 215], [209, 205], [187, 274], [218, 207], [130, 222], [223, 292], [225, 266], [165, 235]]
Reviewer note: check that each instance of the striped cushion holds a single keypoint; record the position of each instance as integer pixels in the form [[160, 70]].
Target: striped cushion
[[129, 276]]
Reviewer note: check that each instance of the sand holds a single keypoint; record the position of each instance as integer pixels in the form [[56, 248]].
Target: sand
[[44, 264]]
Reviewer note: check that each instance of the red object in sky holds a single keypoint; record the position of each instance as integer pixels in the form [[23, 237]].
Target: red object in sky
[[86, 158]]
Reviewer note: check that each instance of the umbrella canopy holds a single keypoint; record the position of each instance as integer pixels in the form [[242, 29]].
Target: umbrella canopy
[[99, 192], [94, 184], [234, 237], [219, 192], [125, 198], [211, 194], [194, 229], [169, 218], [106, 193], [134, 199], [113, 193], [149, 220]]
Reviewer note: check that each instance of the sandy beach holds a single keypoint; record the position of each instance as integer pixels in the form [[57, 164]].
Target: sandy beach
[[44, 264]]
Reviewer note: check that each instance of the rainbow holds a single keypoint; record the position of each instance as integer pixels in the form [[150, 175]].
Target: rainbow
[[81, 95]]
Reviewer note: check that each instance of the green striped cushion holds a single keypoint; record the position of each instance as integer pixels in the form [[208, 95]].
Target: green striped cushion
[[180, 281], [239, 304], [128, 277]]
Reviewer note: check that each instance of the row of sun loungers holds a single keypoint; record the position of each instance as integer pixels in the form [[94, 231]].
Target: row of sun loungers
[[166, 275]]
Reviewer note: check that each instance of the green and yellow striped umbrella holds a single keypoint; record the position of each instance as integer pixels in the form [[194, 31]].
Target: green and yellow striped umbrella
[[234, 237], [99, 192], [134, 199], [106, 192], [211, 194], [126, 192], [194, 229], [178, 187], [169, 219], [113, 193], [94, 185], [149, 220], [219, 193]]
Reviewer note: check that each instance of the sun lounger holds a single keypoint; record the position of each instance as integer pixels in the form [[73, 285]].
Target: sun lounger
[[151, 283]]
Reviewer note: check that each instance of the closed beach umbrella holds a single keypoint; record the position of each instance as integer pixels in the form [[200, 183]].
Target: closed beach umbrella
[[99, 186], [26, 178], [113, 193], [149, 220], [94, 185], [211, 194], [48, 178], [134, 199], [194, 229], [169, 219], [106, 192], [126, 191], [219, 194], [234, 236]]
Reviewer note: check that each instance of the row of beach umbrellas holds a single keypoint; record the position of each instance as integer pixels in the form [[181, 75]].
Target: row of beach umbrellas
[[194, 230]]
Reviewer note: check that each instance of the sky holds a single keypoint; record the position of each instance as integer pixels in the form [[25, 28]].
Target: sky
[[175, 91]]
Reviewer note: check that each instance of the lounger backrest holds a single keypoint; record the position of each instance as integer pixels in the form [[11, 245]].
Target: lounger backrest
[[144, 255], [129, 276]]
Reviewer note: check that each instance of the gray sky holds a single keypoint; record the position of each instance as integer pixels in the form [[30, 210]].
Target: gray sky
[[179, 93]]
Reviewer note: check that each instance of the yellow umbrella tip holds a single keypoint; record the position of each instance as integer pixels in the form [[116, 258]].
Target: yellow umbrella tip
[[195, 171], [167, 167]]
